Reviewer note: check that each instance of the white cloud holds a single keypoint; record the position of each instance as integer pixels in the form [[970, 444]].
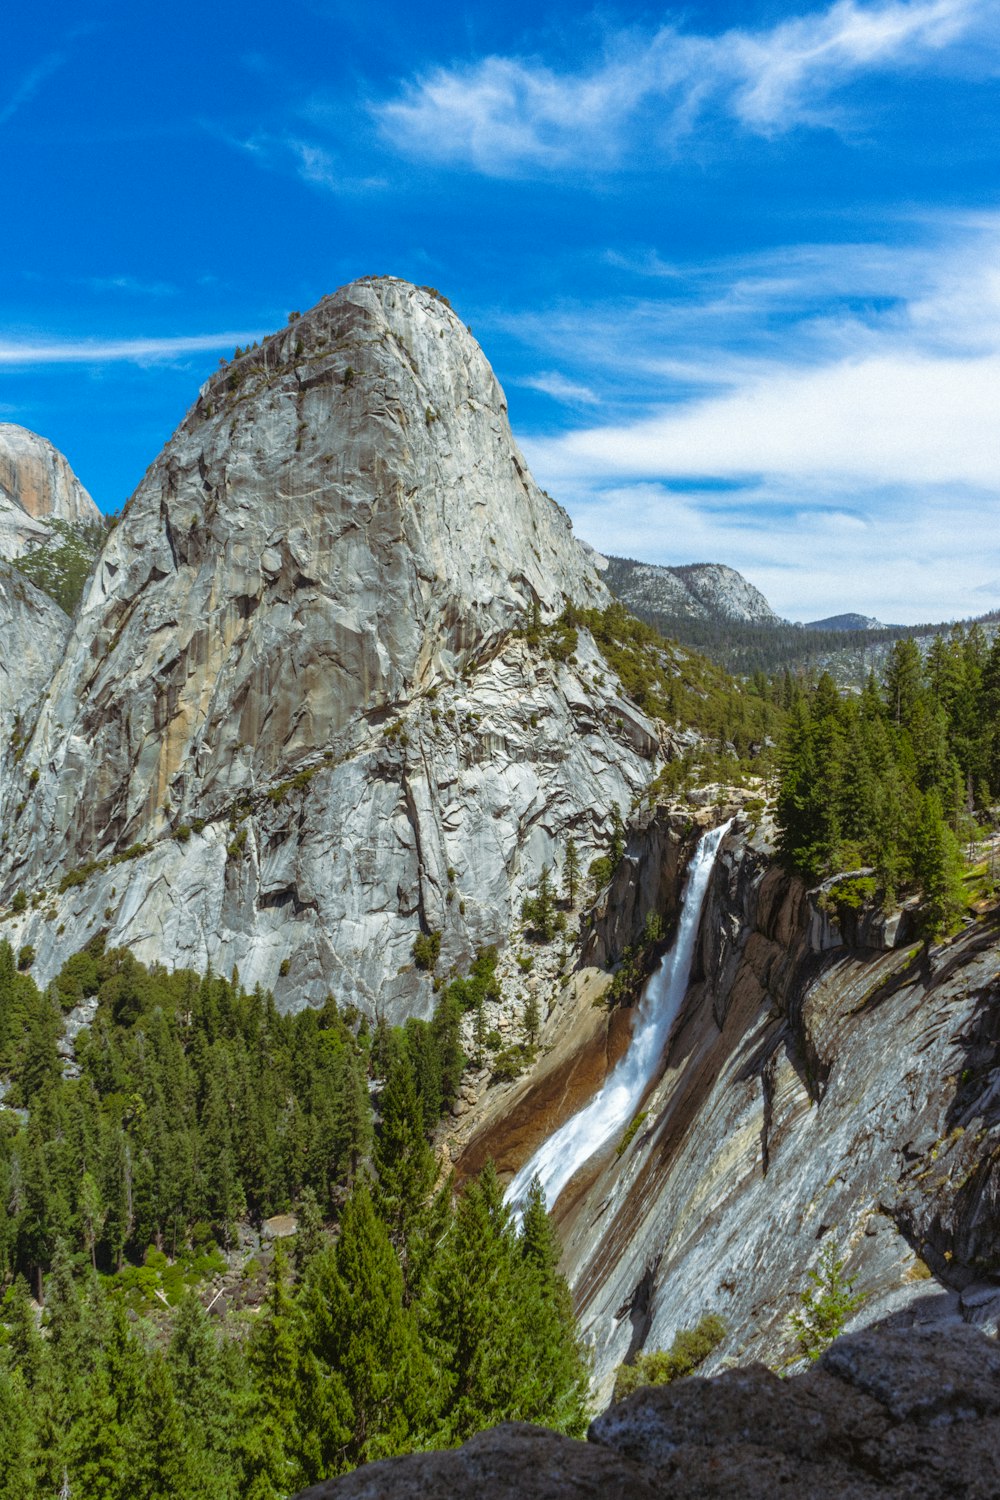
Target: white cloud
[[551, 383], [508, 115], [131, 285], [826, 419], [911, 556], [880, 420], [311, 162], [14, 352]]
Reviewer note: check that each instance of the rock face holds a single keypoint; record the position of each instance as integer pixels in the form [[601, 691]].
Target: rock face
[[37, 485], [884, 1413], [699, 591], [294, 693], [33, 631], [814, 1091]]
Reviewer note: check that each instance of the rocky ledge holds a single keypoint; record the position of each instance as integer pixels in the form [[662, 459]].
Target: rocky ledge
[[905, 1412]]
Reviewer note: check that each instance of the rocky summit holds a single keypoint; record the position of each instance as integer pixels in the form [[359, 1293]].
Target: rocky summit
[[37, 487], [694, 591], [294, 695]]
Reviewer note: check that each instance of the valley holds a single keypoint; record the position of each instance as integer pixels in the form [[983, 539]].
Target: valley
[[366, 863]]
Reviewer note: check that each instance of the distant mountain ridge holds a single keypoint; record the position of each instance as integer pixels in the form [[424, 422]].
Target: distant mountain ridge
[[696, 591], [714, 609], [849, 622]]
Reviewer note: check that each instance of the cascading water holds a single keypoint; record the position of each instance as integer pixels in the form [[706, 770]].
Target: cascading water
[[614, 1105]]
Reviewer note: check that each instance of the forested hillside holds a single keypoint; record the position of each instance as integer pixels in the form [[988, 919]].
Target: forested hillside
[[896, 778], [195, 1109]]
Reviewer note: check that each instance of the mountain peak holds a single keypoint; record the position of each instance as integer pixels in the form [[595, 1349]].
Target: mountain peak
[[697, 591], [37, 486]]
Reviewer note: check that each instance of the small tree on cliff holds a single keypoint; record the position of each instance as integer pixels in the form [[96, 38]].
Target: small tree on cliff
[[540, 909]]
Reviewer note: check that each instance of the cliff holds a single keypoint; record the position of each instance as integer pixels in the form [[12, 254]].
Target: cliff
[[37, 486], [826, 1082], [696, 591], [295, 697]]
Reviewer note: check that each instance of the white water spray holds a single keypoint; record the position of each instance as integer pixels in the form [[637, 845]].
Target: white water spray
[[614, 1105]]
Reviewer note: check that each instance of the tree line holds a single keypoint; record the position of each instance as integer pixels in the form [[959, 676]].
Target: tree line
[[899, 776]]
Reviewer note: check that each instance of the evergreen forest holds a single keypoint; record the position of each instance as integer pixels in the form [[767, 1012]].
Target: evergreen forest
[[890, 784], [400, 1315]]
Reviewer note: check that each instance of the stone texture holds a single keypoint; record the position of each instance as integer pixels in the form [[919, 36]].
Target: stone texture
[[905, 1414], [36, 485], [506, 1463], [33, 630], [812, 1090], [322, 577]]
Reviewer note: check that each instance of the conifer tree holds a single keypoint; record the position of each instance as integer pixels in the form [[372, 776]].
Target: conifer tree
[[404, 1162], [571, 873], [360, 1332], [271, 1439], [937, 862], [17, 1478]]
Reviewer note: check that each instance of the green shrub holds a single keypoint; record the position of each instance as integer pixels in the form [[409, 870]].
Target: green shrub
[[511, 1062], [235, 849], [690, 1348], [631, 1133], [427, 950], [26, 957]]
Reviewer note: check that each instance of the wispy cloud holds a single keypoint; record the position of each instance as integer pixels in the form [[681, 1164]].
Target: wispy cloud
[[15, 352], [133, 286], [510, 115], [551, 383], [858, 441], [903, 556], [30, 83], [309, 160]]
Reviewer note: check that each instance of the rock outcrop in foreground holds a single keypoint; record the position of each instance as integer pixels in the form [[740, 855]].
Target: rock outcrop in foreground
[[902, 1413]]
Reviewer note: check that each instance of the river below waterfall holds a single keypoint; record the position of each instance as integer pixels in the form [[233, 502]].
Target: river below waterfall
[[614, 1106]]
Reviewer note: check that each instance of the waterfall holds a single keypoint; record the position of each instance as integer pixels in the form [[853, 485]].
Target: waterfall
[[614, 1105]]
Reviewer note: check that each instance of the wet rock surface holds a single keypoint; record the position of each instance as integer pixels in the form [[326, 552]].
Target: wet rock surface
[[904, 1413], [815, 1094]]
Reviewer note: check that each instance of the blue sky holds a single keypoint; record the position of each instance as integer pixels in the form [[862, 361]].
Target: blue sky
[[736, 266]]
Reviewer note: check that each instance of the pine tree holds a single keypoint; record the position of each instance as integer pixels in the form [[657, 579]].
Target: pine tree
[[17, 1478], [165, 1465], [561, 1370], [531, 1021], [404, 1162], [903, 681], [937, 863], [271, 1439], [364, 1338], [571, 873], [500, 1322]]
